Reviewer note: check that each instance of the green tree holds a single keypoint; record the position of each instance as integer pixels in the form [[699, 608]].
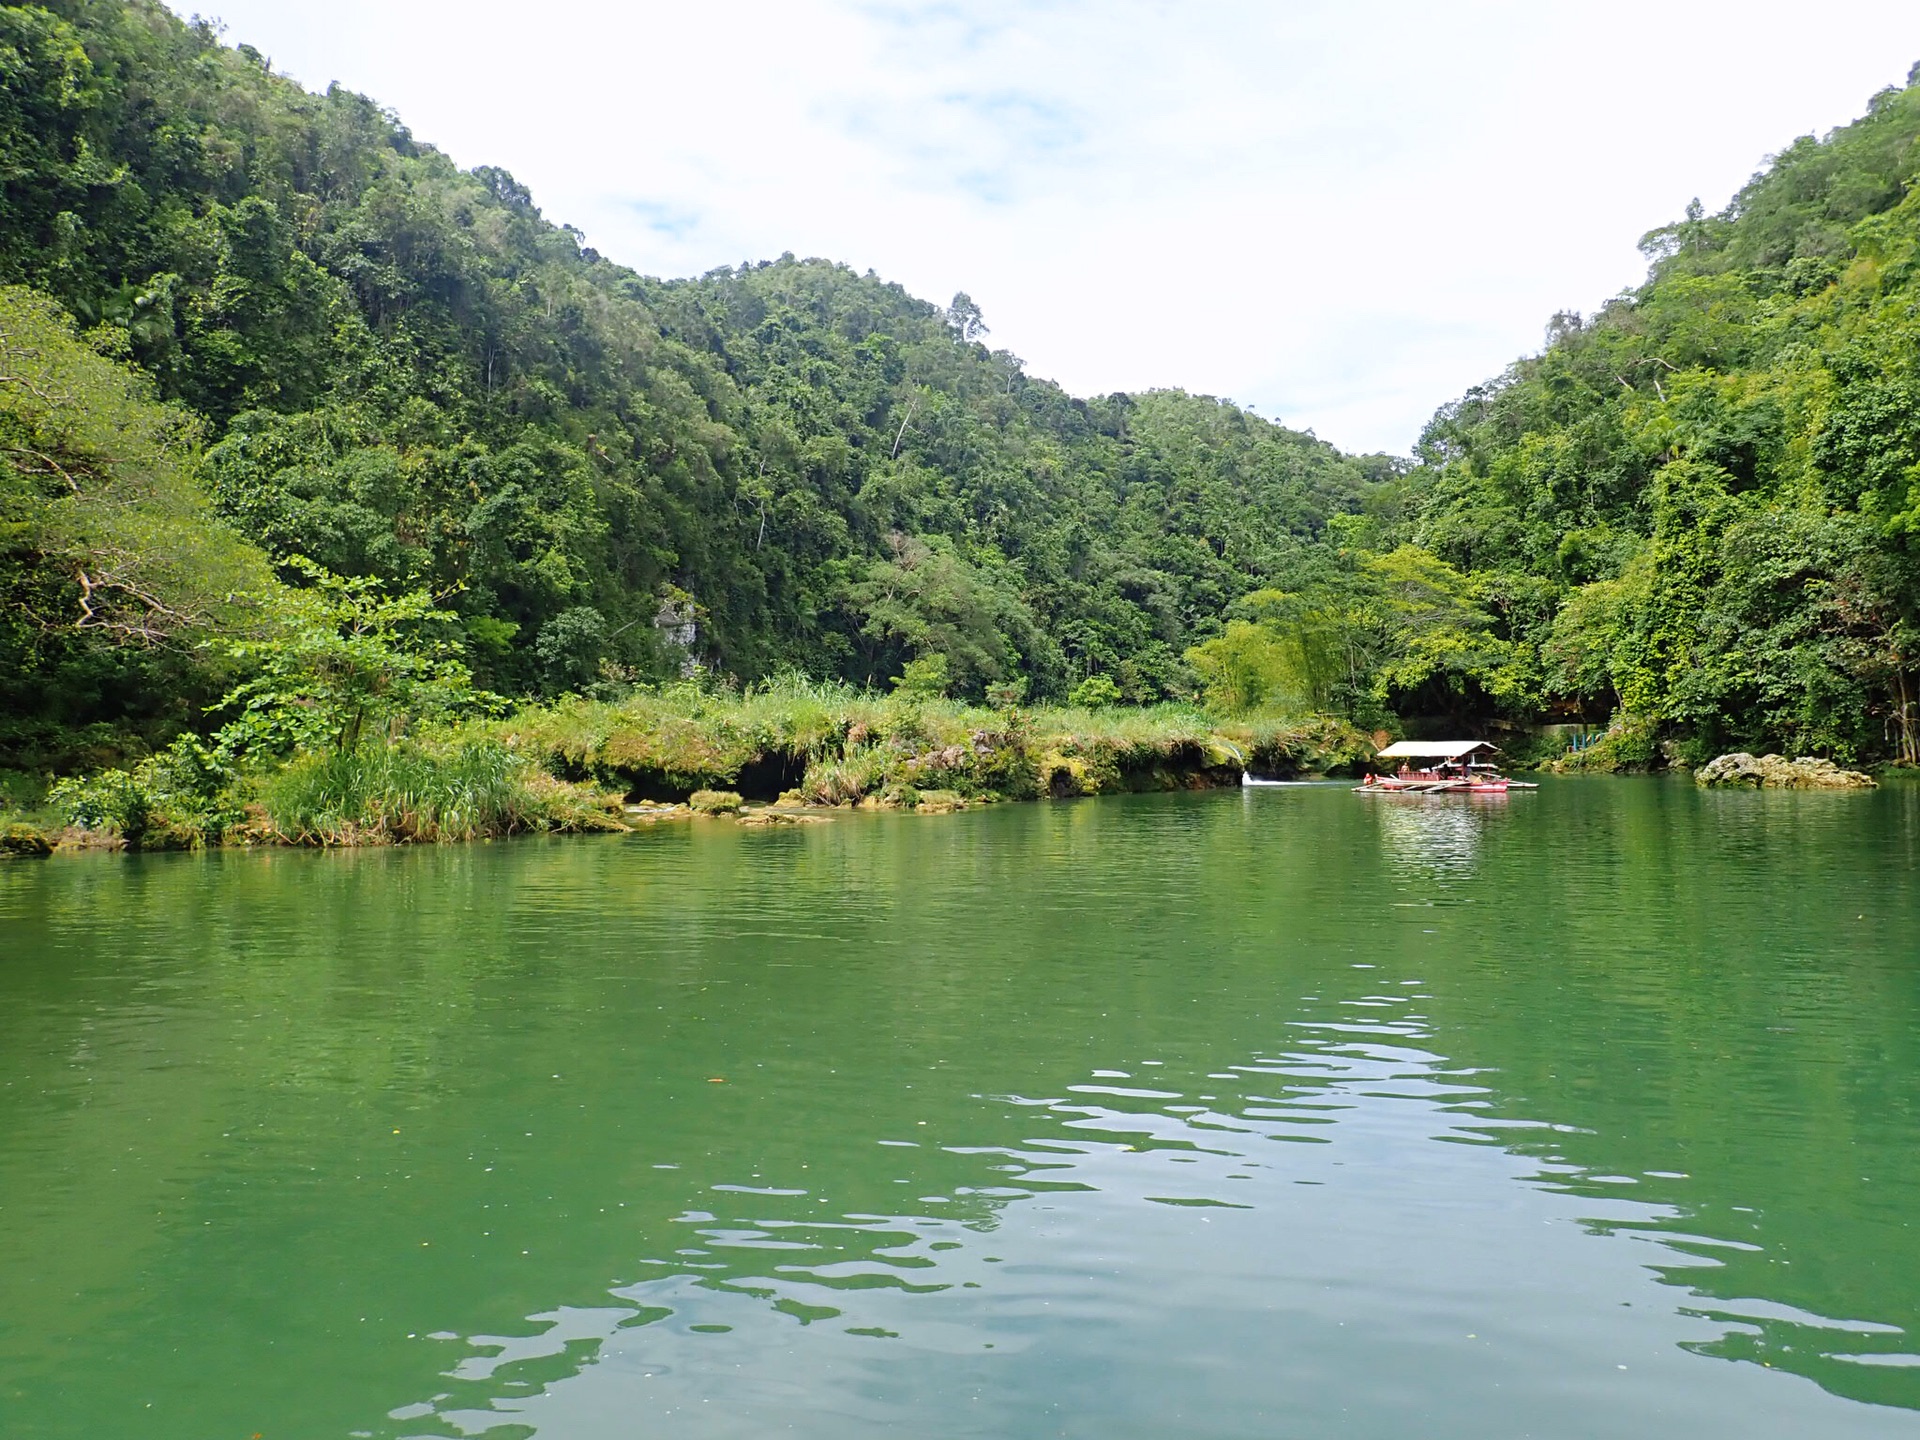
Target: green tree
[[1095, 692], [346, 663], [113, 567], [106, 528], [1240, 669], [1320, 649], [923, 679], [930, 602]]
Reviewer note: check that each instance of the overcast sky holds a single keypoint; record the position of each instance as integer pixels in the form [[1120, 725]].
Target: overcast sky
[[1340, 213]]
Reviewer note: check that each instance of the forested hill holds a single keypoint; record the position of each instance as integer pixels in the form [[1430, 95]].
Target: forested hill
[[1700, 506], [403, 370], [251, 335]]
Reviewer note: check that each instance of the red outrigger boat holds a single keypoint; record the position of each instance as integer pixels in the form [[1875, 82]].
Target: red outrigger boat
[[1440, 767]]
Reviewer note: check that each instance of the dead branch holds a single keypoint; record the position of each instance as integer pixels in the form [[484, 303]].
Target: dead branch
[[104, 606], [895, 455], [51, 402], [48, 461]]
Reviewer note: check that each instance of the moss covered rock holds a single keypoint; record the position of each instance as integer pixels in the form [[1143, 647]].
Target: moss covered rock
[[776, 815], [1074, 769], [714, 802], [24, 842]]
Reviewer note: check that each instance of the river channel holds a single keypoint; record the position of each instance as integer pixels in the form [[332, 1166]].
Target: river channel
[[1589, 1112]]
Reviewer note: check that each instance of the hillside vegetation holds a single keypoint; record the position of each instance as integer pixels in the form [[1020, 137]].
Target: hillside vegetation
[[313, 440], [402, 370], [1698, 508]]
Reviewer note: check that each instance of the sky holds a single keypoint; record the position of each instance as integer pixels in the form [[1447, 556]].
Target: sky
[[1341, 213]]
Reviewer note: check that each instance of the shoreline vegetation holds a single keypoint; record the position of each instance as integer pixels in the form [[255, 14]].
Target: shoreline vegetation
[[779, 752], [790, 752]]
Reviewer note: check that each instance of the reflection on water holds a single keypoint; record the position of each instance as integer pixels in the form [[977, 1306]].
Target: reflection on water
[[1434, 837], [1071, 1225], [1295, 1113]]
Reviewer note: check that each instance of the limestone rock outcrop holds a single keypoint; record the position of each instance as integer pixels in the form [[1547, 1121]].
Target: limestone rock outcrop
[[1776, 772]]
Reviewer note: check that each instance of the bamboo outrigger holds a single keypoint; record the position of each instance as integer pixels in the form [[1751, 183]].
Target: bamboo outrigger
[[1451, 767]]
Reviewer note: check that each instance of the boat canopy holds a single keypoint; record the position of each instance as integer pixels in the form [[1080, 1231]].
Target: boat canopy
[[1433, 749]]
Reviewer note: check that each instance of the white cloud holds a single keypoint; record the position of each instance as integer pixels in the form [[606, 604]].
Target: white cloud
[[1343, 214]]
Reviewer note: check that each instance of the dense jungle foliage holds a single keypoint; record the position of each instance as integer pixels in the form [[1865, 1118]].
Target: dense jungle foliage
[[1699, 507], [400, 370], [1694, 513], [268, 364]]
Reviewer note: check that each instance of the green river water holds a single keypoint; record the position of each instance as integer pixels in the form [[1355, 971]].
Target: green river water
[[1290, 1113]]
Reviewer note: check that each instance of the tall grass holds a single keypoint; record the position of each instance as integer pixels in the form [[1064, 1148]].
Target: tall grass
[[692, 734], [461, 789]]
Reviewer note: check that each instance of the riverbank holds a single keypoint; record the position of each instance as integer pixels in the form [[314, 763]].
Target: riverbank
[[583, 765]]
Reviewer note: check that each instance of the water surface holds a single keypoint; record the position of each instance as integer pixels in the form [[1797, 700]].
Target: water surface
[[1590, 1113]]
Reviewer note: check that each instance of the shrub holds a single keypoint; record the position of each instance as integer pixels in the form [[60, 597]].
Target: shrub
[[113, 801], [847, 780], [1094, 693], [1007, 693], [185, 796], [923, 679]]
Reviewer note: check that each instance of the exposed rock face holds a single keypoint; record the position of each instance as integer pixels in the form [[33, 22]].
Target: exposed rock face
[[1776, 772]]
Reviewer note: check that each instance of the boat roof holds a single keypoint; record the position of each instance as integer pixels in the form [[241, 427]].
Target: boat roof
[[1432, 749]]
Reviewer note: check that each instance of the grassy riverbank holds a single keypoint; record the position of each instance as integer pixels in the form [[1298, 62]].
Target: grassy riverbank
[[451, 785], [822, 744], [575, 765]]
